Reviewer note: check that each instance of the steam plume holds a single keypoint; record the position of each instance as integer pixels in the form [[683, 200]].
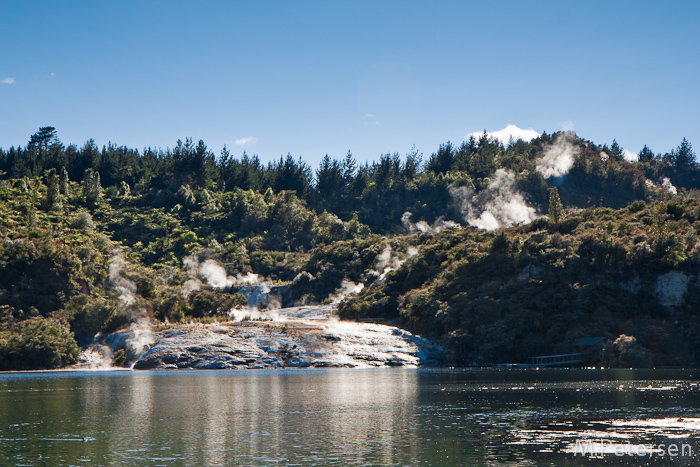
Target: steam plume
[[248, 278], [558, 158], [190, 286], [385, 258], [668, 186], [97, 356], [499, 205], [347, 287], [125, 288], [214, 274], [422, 226], [387, 262], [141, 336], [665, 183]]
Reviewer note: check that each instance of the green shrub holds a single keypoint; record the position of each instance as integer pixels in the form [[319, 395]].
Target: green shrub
[[36, 344], [83, 221], [205, 303], [636, 206]]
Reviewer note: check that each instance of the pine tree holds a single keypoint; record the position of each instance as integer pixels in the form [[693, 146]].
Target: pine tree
[[556, 210], [616, 151], [646, 155], [329, 178], [683, 156], [43, 140], [349, 168], [412, 166]]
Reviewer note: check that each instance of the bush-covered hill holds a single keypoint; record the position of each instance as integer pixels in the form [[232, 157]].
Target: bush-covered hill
[[92, 240], [534, 290], [80, 268]]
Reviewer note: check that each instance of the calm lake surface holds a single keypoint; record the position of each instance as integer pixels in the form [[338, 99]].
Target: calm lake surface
[[351, 417]]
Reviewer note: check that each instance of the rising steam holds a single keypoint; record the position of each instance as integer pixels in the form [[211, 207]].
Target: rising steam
[[499, 205], [664, 183], [347, 287], [125, 289], [140, 336], [387, 261], [422, 226], [214, 274], [558, 158], [97, 356], [190, 286], [668, 186]]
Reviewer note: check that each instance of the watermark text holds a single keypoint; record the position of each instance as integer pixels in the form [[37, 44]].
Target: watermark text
[[591, 448]]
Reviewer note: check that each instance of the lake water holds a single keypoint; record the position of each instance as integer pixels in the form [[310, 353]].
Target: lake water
[[351, 417]]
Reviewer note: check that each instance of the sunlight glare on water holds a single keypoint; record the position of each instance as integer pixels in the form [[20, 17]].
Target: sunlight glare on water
[[347, 417]]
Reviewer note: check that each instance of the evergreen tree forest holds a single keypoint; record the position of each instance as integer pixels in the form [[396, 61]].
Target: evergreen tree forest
[[79, 225]]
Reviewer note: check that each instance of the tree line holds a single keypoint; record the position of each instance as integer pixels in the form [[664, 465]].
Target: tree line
[[342, 187]]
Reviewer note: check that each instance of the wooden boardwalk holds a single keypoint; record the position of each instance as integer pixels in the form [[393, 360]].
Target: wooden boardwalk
[[558, 360]]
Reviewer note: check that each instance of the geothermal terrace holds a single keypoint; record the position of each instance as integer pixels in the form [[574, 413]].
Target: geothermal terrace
[[306, 336]]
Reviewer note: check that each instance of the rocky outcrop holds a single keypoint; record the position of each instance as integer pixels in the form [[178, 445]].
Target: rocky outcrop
[[296, 337], [671, 288]]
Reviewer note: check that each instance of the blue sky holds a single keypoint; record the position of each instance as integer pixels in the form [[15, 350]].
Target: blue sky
[[314, 78]]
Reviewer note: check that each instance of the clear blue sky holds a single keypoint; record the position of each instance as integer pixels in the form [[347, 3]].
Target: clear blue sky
[[324, 77]]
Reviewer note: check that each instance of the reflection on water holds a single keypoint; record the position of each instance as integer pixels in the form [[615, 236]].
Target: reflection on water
[[349, 417]]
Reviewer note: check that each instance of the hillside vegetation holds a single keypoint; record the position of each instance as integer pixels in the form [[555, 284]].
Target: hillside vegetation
[[534, 290], [456, 247]]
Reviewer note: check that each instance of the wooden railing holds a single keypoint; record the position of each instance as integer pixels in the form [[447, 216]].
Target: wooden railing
[[553, 360]]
